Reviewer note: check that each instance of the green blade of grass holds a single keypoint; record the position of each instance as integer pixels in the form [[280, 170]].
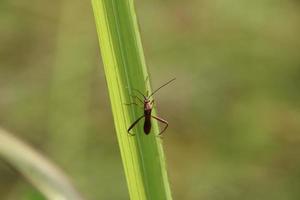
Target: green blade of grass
[[125, 69], [43, 174]]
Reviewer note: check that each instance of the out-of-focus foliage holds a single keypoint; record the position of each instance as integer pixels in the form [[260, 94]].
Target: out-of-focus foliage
[[39, 171], [234, 113]]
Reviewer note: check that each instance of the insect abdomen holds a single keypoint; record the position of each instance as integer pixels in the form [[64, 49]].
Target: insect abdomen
[[147, 125]]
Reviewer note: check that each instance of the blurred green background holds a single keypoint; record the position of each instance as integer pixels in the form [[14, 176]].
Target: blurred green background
[[234, 110]]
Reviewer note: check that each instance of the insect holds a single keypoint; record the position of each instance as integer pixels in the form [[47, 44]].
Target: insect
[[147, 106]]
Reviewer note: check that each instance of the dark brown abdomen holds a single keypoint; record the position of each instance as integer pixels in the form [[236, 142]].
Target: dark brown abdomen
[[147, 124]]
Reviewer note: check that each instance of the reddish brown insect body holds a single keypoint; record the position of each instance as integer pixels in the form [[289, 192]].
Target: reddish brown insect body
[[147, 115], [148, 105]]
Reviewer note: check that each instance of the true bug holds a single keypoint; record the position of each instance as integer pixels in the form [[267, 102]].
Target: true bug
[[148, 105]]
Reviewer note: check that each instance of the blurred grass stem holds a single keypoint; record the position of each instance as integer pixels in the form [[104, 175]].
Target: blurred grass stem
[[44, 175]]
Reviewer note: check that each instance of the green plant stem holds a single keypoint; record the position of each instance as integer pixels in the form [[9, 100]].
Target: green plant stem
[[125, 69]]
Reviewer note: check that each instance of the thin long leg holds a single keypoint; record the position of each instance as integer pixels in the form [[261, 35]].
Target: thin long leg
[[162, 121], [133, 103], [133, 124], [139, 92], [134, 96]]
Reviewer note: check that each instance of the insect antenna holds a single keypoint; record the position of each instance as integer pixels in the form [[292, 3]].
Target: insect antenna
[[139, 92], [161, 87]]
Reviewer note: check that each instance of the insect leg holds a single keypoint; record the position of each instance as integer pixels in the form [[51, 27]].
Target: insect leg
[[139, 92], [132, 103], [134, 96], [134, 123], [162, 121]]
